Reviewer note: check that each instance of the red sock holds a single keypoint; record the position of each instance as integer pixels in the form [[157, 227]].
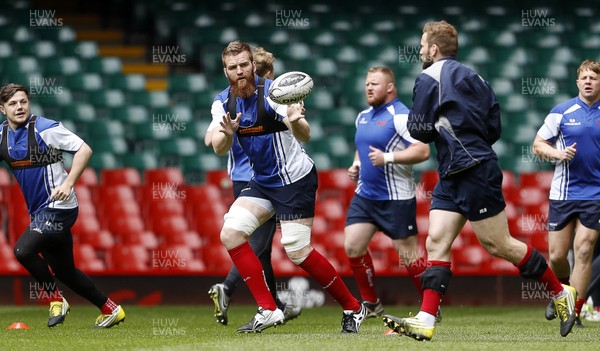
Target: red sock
[[415, 270], [433, 298], [109, 307], [55, 296], [548, 277], [364, 273], [578, 305], [251, 271], [323, 272]]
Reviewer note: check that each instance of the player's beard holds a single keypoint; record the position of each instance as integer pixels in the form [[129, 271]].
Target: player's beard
[[427, 62], [375, 100], [243, 88]]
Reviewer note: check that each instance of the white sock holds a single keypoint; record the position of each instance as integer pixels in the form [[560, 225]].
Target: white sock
[[426, 318]]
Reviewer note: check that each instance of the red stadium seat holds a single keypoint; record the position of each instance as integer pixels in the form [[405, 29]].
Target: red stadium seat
[[86, 259], [88, 177], [473, 255], [18, 217], [121, 176], [220, 179], [216, 259], [182, 258], [429, 179], [8, 259], [541, 180], [164, 175], [128, 258], [332, 210], [101, 240]]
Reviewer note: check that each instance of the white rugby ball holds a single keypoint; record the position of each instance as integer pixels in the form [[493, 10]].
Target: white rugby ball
[[290, 88]]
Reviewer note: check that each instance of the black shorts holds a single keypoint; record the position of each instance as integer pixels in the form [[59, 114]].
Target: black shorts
[[476, 192], [562, 212], [395, 218], [54, 221], [290, 202]]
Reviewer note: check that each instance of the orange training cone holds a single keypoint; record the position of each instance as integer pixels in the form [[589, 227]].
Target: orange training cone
[[18, 325], [390, 332]]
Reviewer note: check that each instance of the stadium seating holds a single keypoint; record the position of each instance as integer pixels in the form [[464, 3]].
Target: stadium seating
[[116, 114]]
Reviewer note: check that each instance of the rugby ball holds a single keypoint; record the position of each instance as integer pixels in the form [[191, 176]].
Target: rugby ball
[[290, 88]]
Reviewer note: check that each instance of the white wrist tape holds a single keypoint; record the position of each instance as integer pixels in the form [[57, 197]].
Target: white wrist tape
[[388, 157]]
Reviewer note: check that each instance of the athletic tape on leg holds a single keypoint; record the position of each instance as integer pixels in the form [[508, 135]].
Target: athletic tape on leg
[[241, 219], [294, 236]]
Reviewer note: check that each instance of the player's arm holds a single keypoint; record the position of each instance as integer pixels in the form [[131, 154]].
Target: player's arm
[[296, 122], [222, 140], [544, 149], [208, 139], [354, 170], [80, 162], [415, 153], [542, 144], [423, 115]]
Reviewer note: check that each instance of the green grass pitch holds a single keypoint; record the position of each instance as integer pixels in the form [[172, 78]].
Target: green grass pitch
[[194, 328]]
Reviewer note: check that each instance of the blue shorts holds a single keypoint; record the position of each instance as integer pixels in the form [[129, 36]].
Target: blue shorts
[[290, 202], [562, 212], [54, 220], [395, 218], [476, 192]]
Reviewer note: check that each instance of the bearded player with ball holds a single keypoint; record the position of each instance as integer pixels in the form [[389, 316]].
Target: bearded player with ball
[[284, 183]]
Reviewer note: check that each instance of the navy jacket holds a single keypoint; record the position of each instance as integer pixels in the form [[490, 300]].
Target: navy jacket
[[454, 107]]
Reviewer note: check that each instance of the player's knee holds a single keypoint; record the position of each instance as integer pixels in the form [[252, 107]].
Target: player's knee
[[354, 249], [295, 238], [583, 252], [239, 223], [558, 255], [493, 248], [240, 219]]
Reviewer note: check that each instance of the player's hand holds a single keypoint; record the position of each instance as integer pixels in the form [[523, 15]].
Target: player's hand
[[354, 170], [61, 192], [376, 156], [567, 154], [230, 126], [295, 112]]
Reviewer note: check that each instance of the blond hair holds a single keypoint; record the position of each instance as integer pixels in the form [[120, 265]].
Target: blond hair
[[444, 35]]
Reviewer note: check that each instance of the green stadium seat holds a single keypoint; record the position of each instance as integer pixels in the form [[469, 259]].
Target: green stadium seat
[[187, 83], [127, 82], [178, 147], [62, 66], [26, 64], [140, 161], [105, 129], [150, 98], [85, 82], [108, 98], [103, 160], [134, 114], [78, 112], [82, 49], [112, 145], [103, 65], [41, 49]]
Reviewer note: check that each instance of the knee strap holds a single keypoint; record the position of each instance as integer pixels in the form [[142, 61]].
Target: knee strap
[[436, 278], [534, 267]]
